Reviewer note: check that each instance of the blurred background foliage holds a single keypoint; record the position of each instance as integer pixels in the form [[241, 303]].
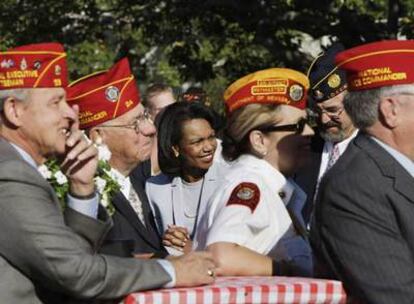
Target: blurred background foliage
[[207, 43]]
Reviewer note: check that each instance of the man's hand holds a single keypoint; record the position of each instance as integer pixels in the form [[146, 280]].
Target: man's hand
[[80, 161], [193, 269]]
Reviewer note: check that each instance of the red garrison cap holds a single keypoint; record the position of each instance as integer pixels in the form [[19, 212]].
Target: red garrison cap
[[378, 64], [275, 85], [103, 96], [41, 65]]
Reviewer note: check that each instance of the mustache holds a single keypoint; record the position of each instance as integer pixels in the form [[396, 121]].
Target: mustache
[[329, 124]]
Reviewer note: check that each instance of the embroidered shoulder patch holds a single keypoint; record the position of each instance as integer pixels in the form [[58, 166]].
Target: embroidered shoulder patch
[[245, 194]]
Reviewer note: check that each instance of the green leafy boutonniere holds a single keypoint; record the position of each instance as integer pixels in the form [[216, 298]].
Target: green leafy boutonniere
[[106, 186]]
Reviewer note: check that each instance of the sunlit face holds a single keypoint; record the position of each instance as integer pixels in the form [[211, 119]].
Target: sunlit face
[[288, 151], [197, 145], [404, 129], [159, 102], [128, 146], [46, 120], [334, 123]]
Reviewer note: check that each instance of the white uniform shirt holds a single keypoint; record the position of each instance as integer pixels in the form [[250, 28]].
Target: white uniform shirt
[[259, 230]]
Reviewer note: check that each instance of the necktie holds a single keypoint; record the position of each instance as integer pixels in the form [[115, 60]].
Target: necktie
[[333, 157], [136, 204]]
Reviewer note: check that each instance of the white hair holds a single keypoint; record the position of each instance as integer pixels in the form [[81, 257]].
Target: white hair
[[19, 94], [363, 106]]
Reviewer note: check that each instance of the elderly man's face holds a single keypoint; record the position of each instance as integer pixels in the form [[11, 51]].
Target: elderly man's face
[[333, 122], [129, 146], [46, 119]]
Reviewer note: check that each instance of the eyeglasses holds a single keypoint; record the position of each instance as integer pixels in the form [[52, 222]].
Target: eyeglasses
[[297, 127], [137, 125], [332, 113]]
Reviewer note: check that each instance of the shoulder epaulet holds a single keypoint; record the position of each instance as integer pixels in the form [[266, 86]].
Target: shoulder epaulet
[[245, 194]]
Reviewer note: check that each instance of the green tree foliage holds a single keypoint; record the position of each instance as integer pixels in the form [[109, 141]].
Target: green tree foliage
[[209, 43]]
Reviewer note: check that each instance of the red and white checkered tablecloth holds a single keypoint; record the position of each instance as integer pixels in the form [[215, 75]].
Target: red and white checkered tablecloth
[[238, 290]]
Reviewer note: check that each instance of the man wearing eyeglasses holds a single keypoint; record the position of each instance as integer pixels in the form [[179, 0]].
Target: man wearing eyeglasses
[[46, 255], [335, 128], [362, 231], [111, 112]]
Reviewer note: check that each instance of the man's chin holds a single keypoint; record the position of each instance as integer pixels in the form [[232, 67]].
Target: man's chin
[[333, 137]]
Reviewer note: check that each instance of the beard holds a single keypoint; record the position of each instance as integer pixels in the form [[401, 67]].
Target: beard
[[327, 135]]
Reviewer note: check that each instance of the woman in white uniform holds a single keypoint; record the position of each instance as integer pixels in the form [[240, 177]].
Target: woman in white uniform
[[253, 225], [187, 145]]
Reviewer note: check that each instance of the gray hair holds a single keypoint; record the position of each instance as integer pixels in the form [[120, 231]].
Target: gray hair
[[362, 106], [19, 94]]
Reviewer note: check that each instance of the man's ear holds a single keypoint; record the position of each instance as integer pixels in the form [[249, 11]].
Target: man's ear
[[389, 107], [96, 135], [13, 111], [258, 143]]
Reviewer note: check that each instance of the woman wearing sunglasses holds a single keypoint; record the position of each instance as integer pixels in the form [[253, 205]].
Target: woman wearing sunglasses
[[253, 225]]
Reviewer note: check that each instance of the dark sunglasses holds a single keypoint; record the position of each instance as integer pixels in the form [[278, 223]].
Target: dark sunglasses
[[297, 127]]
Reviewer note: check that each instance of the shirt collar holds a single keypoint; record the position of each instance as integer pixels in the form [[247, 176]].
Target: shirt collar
[[267, 171], [26, 156], [342, 145], [122, 180]]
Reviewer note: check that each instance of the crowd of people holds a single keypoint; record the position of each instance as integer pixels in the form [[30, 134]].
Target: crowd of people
[[309, 176]]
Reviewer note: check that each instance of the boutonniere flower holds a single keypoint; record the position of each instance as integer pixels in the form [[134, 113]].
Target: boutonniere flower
[[106, 186]]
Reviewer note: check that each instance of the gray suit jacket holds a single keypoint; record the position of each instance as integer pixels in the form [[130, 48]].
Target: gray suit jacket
[[48, 258], [363, 231]]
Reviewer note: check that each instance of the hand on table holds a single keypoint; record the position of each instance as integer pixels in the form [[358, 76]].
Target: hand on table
[[193, 269]]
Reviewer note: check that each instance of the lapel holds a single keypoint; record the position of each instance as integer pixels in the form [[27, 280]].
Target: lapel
[[122, 205], [403, 181], [29, 174], [177, 201]]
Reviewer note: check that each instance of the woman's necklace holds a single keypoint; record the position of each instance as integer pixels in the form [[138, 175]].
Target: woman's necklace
[[188, 214]]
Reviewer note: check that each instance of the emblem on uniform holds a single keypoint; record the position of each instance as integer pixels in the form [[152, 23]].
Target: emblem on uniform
[[37, 65], [23, 64], [112, 93], [317, 94], [296, 92], [334, 81], [7, 63], [58, 70], [245, 194]]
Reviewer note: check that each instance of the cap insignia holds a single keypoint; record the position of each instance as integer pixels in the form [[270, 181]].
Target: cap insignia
[[112, 93], [23, 64], [334, 81], [296, 92]]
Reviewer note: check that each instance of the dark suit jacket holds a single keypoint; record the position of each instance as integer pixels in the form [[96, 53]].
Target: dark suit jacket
[[48, 258], [128, 235], [307, 177], [363, 231]]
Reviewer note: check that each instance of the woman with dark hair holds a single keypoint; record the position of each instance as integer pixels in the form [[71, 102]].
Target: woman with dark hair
[[253, 224], [186, 148]]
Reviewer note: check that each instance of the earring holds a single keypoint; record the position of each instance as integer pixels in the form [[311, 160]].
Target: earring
[[175, 151]]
